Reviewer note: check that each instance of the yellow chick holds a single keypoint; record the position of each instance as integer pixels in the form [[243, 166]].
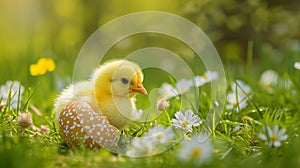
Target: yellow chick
[[110, 92]]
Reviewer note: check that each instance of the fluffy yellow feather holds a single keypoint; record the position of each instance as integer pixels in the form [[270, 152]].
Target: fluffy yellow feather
[[110, 92]]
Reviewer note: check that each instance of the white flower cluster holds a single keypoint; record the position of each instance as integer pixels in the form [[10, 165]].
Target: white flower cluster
[[159, 135], [197, 149], [144, 146], [270, 79], [182, 86]]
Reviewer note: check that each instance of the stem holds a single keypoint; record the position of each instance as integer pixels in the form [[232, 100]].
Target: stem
[[249, 59]]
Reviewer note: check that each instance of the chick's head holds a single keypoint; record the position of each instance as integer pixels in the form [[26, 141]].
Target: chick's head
[[119, 78]]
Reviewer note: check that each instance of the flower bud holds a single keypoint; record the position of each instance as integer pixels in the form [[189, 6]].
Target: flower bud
[[162, 104], [25, 120], [45, 129]]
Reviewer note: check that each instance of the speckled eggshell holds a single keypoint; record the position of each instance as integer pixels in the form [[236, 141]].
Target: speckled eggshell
[[80, 124]]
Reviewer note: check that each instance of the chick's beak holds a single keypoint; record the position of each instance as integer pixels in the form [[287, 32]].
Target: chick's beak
[[139, 89]]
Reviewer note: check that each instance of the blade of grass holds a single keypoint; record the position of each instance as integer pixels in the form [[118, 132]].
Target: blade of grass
[[249, 59], [26, 106], [251, 102]]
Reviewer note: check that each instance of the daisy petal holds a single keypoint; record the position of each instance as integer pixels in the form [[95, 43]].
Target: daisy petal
[[188, 114], [277, 143], [275, 129], [262, 137]]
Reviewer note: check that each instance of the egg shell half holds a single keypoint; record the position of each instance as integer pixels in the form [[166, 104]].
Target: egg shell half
[[79, 124]]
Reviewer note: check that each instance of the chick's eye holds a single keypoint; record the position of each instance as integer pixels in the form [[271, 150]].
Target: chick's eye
[[124, 81]]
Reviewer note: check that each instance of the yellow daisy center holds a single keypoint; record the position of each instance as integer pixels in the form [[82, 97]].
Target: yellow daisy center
[[195, 153], [160, 136], [185, 123], [145, 150], [274, 138], [164, 94]]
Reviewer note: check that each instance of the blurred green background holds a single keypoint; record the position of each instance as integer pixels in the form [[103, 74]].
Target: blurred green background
[[58, 28]]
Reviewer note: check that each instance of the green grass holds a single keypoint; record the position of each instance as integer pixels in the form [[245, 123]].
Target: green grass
[[232, 147]]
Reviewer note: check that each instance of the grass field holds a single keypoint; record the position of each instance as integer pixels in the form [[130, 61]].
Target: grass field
[[237, 141]]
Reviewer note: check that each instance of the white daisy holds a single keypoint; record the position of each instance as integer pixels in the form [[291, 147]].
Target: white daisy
[[236, 102], [197, 150], [140, 146], [273, 137], [12, 87], [297, 65], [241, 88], [183, 85], [186, 121], [268, 78], [200, 81], [237, 98], [207, 77], [160, 134], [167, 91]]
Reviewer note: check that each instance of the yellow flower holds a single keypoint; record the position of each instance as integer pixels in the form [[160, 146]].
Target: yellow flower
[[36, 70], [42, 66], [47, 63]]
